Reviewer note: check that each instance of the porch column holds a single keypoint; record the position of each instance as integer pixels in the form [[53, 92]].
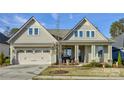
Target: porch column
[[60, 53], [86, 55], [11, 54], [76, 53], [110, 52], [93, 50]]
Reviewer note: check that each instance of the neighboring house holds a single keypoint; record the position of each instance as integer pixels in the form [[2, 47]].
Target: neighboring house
[[4, 46], [117, 46], [119, 42], [115, 52], [34, 44]]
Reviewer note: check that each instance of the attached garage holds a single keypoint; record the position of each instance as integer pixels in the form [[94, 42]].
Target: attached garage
[[32, 44], [34, 56]]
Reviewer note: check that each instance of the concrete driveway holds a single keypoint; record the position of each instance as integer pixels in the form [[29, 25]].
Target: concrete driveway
[[20, 72]]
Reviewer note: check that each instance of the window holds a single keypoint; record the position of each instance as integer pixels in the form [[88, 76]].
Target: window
[[76, 33], [36, 31], [88, 33], [81, 34], [37, 51], [20, 51], [30, 32], [67, 52], [46, 51], [92, 34], [29, 51]]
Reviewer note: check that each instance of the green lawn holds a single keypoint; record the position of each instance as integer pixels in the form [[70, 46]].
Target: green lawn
[[85, 71]]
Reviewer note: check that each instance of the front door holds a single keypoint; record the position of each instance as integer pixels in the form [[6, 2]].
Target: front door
[[101, 54], [81, 54]]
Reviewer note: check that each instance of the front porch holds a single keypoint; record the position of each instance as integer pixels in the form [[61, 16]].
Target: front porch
[[79, 53]]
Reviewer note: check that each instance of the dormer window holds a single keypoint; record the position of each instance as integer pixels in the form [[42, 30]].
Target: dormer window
[[30, 32], [76, 33], [36, 31]]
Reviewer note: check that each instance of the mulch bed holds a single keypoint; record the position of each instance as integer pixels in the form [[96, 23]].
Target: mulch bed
[[58, 72], [63, 66]]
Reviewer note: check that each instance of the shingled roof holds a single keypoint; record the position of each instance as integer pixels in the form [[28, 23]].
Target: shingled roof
[[58, 33], [3, 38]]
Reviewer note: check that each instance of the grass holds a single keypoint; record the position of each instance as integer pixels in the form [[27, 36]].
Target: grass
[[85, 71]]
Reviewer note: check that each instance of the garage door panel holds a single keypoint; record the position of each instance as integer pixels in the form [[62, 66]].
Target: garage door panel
[[35, 57]]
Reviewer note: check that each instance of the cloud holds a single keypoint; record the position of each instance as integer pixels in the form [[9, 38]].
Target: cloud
[[43, 24], [54, 15], [4, 20], [20, 19], [2, 30], [70, 16]]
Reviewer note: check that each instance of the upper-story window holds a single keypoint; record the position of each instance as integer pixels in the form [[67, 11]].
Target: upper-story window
[[30, 32], [33, 31], [36, 31], [81, 34], [92, 33], [76, 33], [88, 33]]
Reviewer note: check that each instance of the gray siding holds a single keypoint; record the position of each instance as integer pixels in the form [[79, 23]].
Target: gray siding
[[119, 41], [5, 49]]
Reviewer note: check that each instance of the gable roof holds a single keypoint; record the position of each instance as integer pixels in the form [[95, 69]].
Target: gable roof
[[82, 21], [61, 33], [3, 38], [58, 32], [32, 18]]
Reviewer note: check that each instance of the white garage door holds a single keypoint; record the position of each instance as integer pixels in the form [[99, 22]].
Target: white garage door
[[34, 56]]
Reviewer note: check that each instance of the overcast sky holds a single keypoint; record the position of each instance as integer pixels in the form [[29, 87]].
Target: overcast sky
[[67, 20]]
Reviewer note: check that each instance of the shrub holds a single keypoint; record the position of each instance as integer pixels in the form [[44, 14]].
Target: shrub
[[93, 64], [7, 61], [107, 65], [1, 58], [96, 64], [119, 59]]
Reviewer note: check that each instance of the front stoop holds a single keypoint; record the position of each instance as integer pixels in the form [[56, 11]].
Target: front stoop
[[75, 78]]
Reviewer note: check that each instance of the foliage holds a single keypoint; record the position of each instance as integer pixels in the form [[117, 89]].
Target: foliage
[[1, 58], [117, 28], [13, 31], [107, 65], [9, 32], [93, 64], [119, 58], [7, 61], [96, 64]]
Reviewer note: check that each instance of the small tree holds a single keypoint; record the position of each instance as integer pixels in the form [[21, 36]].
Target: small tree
[[119, 59], [1, 58]]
